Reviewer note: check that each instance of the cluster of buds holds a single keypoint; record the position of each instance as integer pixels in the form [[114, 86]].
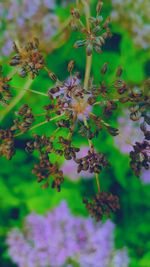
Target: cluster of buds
[[24, 120], [28, 58], [5, 93], [102, 204], [45, 168], [69, 150], [97, 32], [92, 162], [140, 157], [7, 147]]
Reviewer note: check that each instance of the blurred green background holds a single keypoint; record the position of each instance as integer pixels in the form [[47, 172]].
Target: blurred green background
[[20, 193]]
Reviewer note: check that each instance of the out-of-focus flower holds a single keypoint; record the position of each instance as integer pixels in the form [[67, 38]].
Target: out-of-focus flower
[[134, 16], [53, 239], [69, 167], [129, 135], [21, 20]]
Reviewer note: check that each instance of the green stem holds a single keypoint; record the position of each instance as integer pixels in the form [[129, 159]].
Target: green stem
[[40, 124], [33, 91], [88, 58]]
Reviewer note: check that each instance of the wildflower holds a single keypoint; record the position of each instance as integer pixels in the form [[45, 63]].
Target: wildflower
[[76, 238], [72, 97]]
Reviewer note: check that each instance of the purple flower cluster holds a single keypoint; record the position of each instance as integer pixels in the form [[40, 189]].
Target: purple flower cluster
[[59, 238], [129, 134], [23, 20]]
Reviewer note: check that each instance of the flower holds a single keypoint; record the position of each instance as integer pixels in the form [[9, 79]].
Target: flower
[[53, 239], [72, 97]]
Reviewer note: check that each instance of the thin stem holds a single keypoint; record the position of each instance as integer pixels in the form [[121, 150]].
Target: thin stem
[[40, 124], [104, 102], [15, 100], [86, 124], [73, 127], [33, 91], [97, 182], [88, 58], [91, 148], [86, 79]]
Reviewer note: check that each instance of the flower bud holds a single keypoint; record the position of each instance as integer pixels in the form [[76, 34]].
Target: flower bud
[[79, 44], [99, 6], [89, 49]]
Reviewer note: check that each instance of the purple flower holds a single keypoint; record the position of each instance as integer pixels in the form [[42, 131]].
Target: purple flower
[[52, 239]]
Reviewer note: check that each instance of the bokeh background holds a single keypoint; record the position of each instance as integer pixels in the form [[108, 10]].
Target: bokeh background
[[124, 239]]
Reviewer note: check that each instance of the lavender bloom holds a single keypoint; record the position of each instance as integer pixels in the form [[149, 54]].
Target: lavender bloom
[[69, 167], [50, 240], [136, 19]]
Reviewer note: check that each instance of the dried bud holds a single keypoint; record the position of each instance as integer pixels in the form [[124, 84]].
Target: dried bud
[[119, 71], [75, 13], [52, 76], [104, 68], [99, 6], [79, 43], [71, 65]]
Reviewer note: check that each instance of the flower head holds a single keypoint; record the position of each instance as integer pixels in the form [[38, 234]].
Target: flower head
[[53, 239]]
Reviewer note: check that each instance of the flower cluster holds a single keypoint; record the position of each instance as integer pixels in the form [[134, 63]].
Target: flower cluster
[[24, 120], [21, 19], [140, 157], [78, 240], [134, 16], [5, 92], [102, 204], [28, 58], [95, 35]]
